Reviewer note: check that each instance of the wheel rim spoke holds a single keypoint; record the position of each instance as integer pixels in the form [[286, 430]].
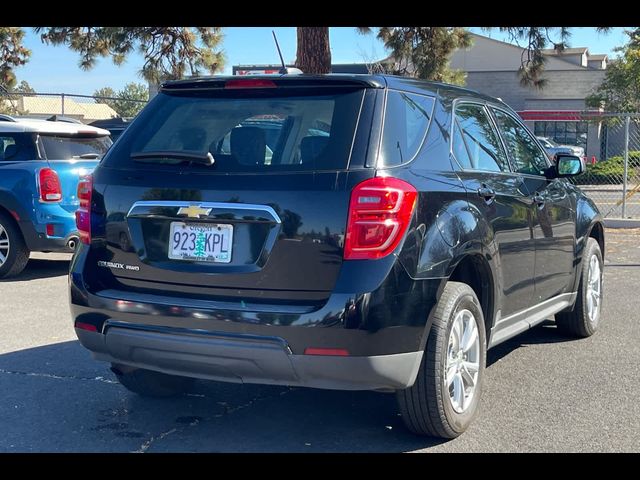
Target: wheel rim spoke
[[594, 287], [471, 367], [467, 377], [456, 334], [458, 390], [451, 373], [4, 245], [470, 335]]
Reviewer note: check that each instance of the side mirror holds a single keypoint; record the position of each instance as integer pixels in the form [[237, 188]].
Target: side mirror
[[568, 165]]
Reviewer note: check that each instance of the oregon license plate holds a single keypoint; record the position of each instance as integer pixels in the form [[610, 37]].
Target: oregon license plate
[[202, 242]]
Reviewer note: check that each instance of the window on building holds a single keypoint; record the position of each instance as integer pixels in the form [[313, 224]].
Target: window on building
[[563, 133]]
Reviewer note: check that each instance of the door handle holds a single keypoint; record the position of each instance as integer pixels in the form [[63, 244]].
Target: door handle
[[487, 193], [538, 199]]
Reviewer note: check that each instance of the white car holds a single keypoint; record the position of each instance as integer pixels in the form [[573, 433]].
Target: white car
[[552, 148]]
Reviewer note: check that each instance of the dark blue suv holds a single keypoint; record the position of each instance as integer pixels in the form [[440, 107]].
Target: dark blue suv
[[40, 164], [340, 231]]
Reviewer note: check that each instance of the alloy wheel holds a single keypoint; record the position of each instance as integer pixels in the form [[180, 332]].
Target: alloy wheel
[[4, 245], [463, 361]]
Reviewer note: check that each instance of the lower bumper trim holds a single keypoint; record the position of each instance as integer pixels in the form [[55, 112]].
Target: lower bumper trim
[[263, 360]]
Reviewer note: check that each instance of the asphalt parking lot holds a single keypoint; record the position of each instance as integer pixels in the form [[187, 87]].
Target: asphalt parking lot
[[543, 392]]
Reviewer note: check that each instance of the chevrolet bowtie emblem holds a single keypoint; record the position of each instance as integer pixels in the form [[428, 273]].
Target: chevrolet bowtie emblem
[[194, 211]]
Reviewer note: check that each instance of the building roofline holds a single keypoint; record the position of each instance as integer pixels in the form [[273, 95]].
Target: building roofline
[[553, 51], [554, 55]]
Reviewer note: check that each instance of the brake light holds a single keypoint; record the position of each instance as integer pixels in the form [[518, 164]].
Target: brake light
[[249, 83], [379, 214], [49, 186], [86, 326], [83, 214]]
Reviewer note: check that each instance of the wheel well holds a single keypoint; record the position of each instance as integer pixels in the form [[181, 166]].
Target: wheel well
[[597, 233], [475, 272], [10, 216]]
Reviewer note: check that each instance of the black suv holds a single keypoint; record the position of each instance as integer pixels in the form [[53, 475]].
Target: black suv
[[342, 231]]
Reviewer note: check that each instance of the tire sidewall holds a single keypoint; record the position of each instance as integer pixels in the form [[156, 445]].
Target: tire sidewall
[[460, 421]]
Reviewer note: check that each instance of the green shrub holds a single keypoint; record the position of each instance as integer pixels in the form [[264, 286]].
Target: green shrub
[[611, 171], [612, 166]]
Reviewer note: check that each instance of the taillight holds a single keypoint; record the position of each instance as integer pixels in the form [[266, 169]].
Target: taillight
[[83, 214], [49, 186], [379, 214]]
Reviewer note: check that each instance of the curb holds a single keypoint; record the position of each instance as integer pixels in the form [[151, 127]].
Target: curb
[[621, 223]]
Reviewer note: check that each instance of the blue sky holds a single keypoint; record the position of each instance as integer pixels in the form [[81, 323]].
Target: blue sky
[[55, 69]]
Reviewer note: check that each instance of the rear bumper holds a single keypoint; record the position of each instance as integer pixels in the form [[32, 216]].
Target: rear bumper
[[34, 230], [246, 359], [383, 329]]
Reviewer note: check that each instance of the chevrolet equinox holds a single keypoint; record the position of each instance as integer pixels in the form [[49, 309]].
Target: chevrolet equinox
[[342, 231]]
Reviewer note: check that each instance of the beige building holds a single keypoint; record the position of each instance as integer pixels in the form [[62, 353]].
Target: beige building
[[558, 110], [45, 106]]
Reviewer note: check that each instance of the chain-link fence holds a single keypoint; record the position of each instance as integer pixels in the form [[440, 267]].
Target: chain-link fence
[[612, 177], [85, 108]]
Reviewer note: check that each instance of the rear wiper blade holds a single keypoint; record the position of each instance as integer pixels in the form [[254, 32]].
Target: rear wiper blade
[[196, 157], [88, 156]]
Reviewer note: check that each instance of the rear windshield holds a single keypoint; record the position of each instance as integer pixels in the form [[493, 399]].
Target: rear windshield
[[54, 147], [243, 131]]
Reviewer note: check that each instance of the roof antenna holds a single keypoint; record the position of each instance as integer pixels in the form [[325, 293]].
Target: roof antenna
[[284, 70]]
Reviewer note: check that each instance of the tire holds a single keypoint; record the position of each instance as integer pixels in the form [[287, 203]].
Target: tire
[[427, 407], [584, 320], [14, 254], [148, 383]]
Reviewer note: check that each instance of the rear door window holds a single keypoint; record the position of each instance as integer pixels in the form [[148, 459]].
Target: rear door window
[[259, 133], [16, 147], [406, 122]]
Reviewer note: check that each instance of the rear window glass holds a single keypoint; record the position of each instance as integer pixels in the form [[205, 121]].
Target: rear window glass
[[244, 132], [55, 147], [406, 122]]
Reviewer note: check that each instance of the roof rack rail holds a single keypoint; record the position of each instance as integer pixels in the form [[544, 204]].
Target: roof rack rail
[[6, 118], [60, 118]]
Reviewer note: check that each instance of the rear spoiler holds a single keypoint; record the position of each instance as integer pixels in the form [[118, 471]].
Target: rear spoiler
[[275, 81]]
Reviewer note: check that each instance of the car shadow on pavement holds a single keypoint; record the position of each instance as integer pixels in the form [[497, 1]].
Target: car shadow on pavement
[[41, 268], [544, 333], [56, 398]]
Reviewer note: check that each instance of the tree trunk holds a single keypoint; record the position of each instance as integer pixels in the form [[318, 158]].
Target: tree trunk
[[314, 54]]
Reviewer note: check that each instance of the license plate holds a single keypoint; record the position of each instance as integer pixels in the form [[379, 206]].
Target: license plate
[[202, 242]]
